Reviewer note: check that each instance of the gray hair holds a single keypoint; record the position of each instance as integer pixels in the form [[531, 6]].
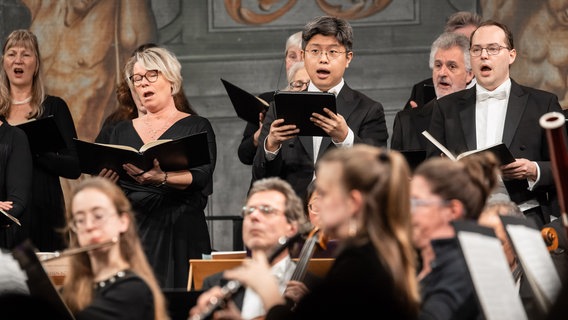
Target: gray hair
[[297, 66], [295, 40], [294, 210], [449, 40]]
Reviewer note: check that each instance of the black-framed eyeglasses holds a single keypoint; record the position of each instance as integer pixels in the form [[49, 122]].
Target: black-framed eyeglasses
[[331, 54], [492, 49], [298, 85], [264, 209], [150, 75], [79, 222]]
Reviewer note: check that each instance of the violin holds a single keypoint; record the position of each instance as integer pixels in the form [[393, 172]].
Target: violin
[[550, 237], [316, 236]]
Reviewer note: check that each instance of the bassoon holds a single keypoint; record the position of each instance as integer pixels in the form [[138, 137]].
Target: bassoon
[[554, 124]]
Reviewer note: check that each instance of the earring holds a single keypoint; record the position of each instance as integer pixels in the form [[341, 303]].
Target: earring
[[352, 227]]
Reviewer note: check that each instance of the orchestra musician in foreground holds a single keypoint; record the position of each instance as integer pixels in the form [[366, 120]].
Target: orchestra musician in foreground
[[272, 211], [364, 200], [115, 281]]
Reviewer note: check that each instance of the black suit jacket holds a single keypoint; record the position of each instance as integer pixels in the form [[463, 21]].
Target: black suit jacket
[[247, 149], [294, 162], [453, 124], [408, 126], [422, 93]]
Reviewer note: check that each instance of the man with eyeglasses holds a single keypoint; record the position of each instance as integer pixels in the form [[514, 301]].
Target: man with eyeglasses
[[298, 77], [272, 211], [249, 142], [461, 22], [498, 110], [451, 71], [327, 51]]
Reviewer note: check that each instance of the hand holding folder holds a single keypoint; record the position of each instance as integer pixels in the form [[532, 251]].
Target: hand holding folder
[[246, 105], [296, 107], [173, 155], [500, 150]]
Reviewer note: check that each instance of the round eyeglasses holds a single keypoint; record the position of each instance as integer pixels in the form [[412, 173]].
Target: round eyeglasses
[[150, 75], [298, 85], [492, 50], [80, 222], [331, 54], [314, 206]]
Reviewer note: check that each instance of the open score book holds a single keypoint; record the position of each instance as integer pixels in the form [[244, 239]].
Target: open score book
[[178, 154], [500, 150]]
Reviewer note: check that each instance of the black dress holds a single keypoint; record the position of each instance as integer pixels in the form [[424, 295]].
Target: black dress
[[15, 177], [171, 223], [447, 292], [47, 212], [358, 286], [123, 296]]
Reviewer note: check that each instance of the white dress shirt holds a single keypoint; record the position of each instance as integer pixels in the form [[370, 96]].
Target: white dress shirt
[[252, 304], [490, 114]]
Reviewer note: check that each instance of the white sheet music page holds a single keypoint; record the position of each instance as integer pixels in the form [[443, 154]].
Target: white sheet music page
[[491, 276], [536, 262]]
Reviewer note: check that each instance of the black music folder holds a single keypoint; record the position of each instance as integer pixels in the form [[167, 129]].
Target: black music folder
[[428, 92], [43, 135], [247, 105], [297, 108], [40, 285], [177, 154]]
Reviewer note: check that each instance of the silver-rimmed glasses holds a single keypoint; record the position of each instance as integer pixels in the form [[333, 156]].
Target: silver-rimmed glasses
[[331, 54], [264, 209], [492, 49], [80, 222], [298, 85]]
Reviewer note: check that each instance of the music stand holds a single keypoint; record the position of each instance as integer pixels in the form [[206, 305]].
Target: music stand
[[41, 287], [180, 301]]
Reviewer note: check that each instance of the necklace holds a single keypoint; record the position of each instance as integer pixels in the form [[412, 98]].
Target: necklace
[[26, 100], [155, 133], [111, 280]]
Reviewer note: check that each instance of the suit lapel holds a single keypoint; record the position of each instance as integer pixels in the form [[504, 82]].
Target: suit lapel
[[515, 109], [345, 102], [308, 143], [345, 105], [466, 106], [325, 142]]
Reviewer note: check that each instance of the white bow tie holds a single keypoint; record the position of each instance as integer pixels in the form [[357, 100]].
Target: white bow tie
[[499, 95]]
